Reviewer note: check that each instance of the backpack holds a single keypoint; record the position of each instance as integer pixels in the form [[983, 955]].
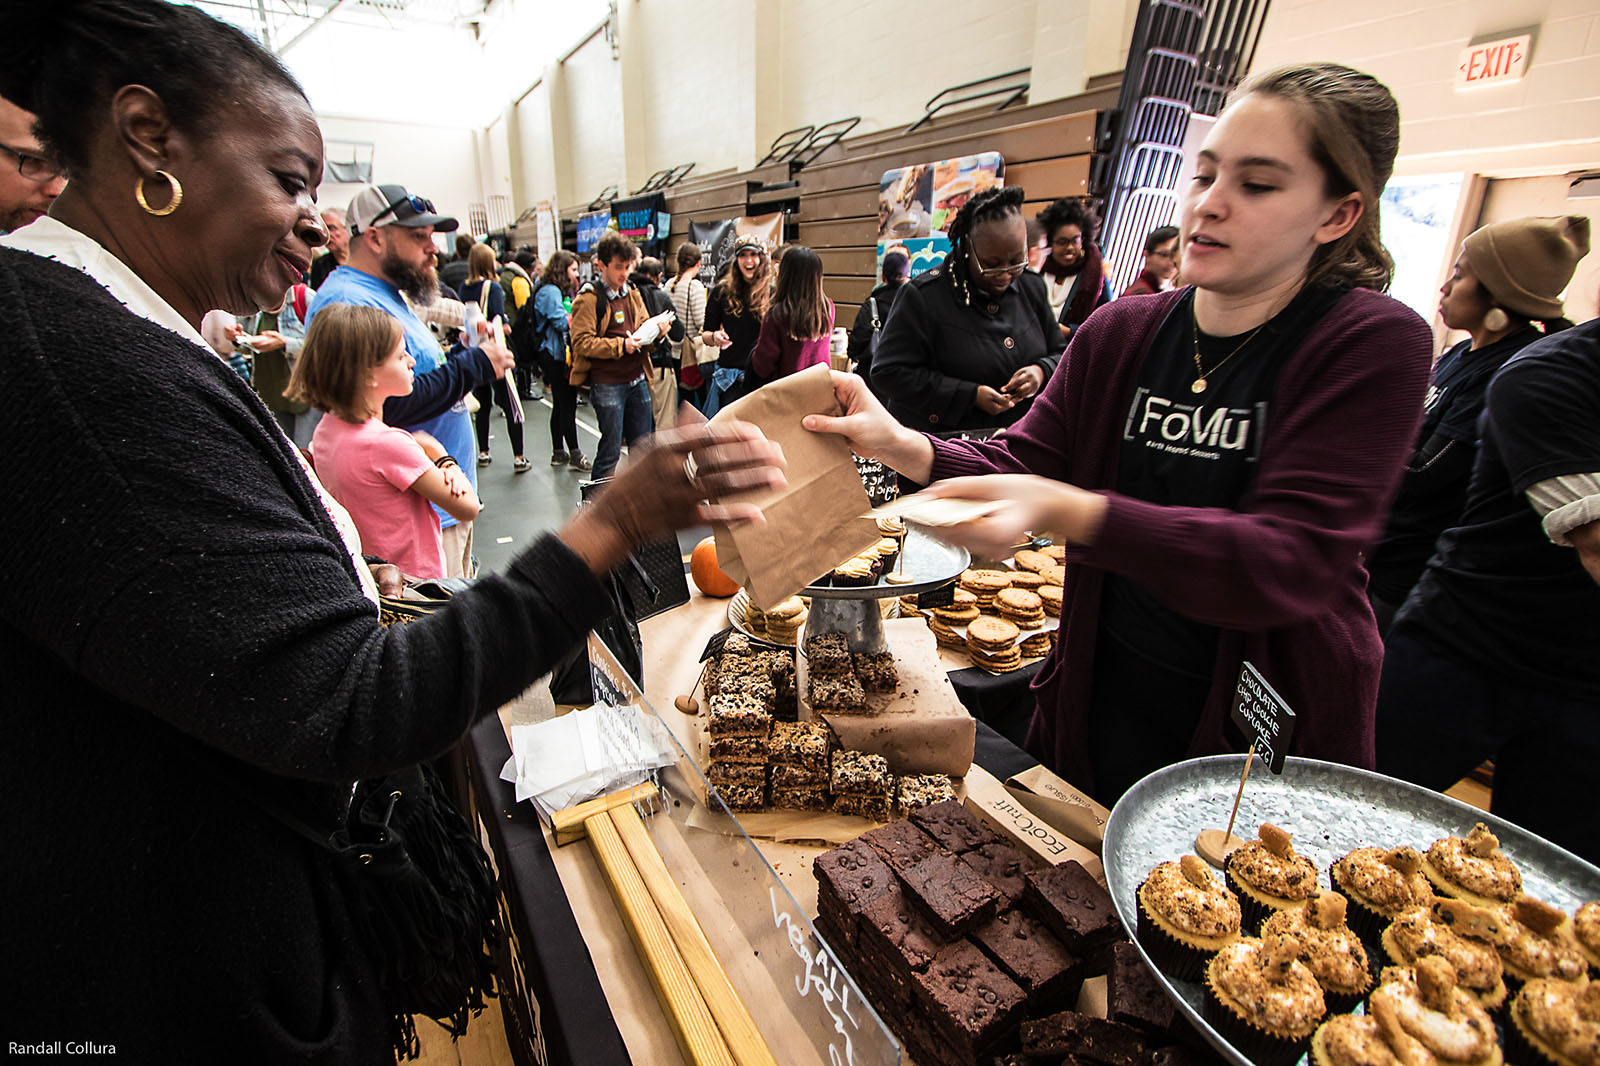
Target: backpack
[[525, 338], [507, 276]]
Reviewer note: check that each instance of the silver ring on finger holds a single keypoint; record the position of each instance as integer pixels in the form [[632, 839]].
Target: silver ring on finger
[[691, 470]]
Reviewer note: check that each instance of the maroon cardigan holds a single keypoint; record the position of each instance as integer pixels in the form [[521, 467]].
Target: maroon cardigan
[[1282, 576]]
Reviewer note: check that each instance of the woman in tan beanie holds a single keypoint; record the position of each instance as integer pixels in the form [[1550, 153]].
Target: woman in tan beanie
[[1508, 276]]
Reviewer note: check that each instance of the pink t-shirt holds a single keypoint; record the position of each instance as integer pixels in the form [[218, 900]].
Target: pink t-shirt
[[370, 469]]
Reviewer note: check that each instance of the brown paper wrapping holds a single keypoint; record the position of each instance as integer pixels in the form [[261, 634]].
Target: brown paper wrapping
[[814, 523], [1063, 806], [1002, 810]]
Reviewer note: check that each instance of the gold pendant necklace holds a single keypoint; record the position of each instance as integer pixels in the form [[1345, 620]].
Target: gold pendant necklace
[[1201, 373]]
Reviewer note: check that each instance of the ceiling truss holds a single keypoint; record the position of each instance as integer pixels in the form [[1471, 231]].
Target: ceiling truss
[[281, 24]]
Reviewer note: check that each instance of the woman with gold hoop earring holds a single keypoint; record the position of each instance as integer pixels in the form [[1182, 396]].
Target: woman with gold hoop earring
[[1508, 276], [172, 205]]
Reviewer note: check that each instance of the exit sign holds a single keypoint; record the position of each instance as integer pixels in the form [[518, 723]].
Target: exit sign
[[1493, 62]]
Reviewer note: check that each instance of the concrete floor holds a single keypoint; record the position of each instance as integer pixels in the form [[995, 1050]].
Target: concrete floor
[[519, 507]]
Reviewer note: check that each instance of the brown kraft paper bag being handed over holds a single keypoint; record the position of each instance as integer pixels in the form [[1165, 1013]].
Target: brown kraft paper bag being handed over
[[814, 522]]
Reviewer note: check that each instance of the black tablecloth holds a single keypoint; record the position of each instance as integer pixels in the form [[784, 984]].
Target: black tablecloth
[[1003, 701]]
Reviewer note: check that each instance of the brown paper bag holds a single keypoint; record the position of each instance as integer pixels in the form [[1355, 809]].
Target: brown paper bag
[[813, 523]]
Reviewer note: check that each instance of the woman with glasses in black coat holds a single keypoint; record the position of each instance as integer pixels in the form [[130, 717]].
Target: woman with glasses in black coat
[[972, 341]]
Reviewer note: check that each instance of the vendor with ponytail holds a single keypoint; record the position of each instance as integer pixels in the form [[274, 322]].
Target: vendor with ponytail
[[1505, 292], [972, 341], [1218, 457]]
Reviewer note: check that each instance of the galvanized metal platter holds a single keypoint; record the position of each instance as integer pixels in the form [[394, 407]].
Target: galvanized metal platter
[[924, 562], [1329, 810]]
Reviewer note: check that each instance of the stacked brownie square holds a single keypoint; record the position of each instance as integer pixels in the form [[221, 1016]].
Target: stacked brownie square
[[839, 679], [924, 913], [970, 950], [799, 754], [862, 785]]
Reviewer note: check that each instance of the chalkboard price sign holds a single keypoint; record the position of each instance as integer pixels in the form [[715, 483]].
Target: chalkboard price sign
[[1266, 720]]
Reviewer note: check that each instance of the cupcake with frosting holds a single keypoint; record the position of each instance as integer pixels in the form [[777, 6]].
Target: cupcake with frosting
[[1586, 927], [1263, 999], [1267, 875], [1473, 868], [1351, 1040], [1328, 947], [1555, 1023], [1539, 943], [1381, 884], [1427, 1019], [1185, 917], [1462, 934]]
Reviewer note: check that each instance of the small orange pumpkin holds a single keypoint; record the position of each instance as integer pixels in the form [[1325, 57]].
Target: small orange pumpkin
[[708, 577]]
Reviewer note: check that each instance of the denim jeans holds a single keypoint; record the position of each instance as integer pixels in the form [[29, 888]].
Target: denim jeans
[[624, 414]]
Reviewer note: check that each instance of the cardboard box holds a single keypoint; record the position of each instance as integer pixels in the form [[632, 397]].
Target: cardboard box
[[1003, 811]]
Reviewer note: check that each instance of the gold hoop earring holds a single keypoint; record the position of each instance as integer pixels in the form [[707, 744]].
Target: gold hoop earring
[[1496, 320], [177, 196]]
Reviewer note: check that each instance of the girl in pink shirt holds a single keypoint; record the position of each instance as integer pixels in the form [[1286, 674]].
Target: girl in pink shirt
[[354, 359]]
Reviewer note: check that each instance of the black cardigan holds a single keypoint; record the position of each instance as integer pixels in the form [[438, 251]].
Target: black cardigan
[[183, 622], [934, 352]]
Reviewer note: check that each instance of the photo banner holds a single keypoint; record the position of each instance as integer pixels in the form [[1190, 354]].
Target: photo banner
[[919, 201], [642, 219], [591, 228]]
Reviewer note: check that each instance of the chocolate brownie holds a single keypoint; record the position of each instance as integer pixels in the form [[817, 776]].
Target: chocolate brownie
[[898, 935], [973, 1004], [1031, 955], [837, 694], [900, 844], [854, 874], [800, 777], [802, 798], [955, 827], [739, 749], [872, 808], [950, 893], [856, 773], [827, 653], [1076, 908], [1003, 866], [876, 671], [1093, 1039], [736, 773], [1133, 996]]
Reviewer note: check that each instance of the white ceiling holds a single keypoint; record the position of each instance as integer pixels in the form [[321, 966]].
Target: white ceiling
[[282, 24]]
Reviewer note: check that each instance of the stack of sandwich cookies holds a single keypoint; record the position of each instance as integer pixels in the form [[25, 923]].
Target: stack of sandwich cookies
[[985, 585], [1021, 607], [1054, 575], [1050, 597], [800, 767], [785, 619], [992, 643], [1032, 561], [739, 727], [755, 619], [1025, 579], [1037, 645], [862, 785], [1056, 553]]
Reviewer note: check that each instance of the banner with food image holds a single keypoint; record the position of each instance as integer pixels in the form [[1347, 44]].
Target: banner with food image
[[922, 253], [918, 201]]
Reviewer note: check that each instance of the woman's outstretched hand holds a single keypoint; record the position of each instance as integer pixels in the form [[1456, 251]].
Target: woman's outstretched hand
[[872, 431], [1031, 504], [682, 477]]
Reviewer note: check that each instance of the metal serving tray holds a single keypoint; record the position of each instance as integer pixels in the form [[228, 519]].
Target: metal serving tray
[[1329, 810]]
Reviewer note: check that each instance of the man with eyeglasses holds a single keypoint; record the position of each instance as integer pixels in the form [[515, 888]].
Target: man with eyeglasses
[[29, 182], [390, 265], [1160, 263]]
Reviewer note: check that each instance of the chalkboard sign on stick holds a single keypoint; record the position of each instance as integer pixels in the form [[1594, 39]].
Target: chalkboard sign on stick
[[1268, 723]]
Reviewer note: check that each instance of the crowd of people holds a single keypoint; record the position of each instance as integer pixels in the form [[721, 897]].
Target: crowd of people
[[1229, 448]]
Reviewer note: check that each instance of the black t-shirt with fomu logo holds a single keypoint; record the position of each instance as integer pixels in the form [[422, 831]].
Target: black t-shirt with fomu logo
[[1181, 448]]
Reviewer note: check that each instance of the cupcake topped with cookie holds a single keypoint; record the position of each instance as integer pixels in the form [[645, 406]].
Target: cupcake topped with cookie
[[1555, 1023], [1351, 1040], [1586, 928], [1539, 943], [1462, 934], [1185, 916], [1381, 884], [1268, 875], [1473, 868], [1263, 999], [1427, 1018], [1329, 947]]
